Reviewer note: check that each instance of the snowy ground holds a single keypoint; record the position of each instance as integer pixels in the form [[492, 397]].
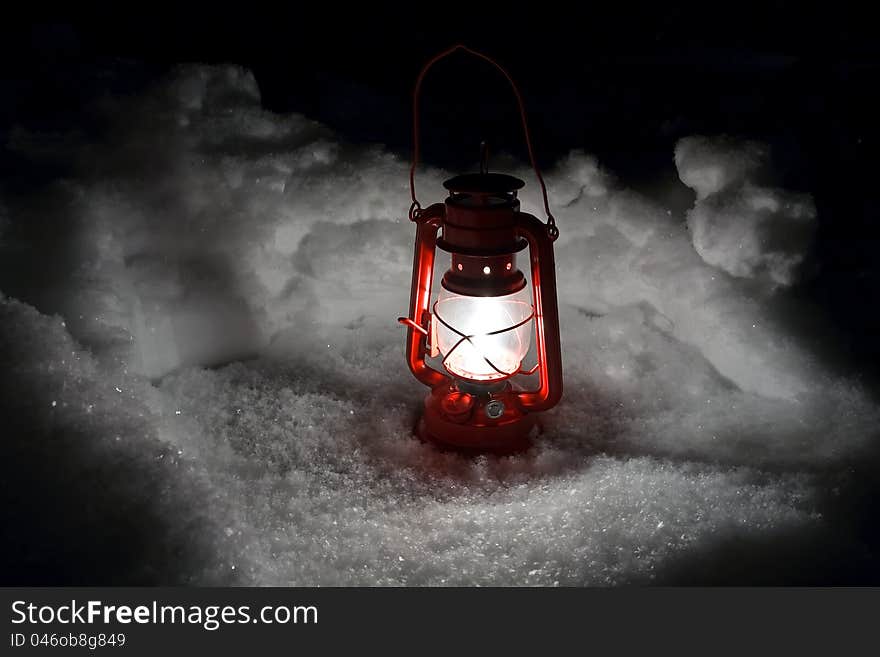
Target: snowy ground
[[203, 380]]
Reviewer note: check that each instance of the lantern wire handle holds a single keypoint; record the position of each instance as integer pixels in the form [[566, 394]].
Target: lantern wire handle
[[552, 230]]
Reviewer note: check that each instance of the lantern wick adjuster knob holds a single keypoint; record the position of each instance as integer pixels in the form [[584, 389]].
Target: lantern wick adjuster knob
[[495, 409]]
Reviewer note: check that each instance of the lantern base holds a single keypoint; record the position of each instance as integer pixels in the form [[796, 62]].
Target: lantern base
[[476, 423]]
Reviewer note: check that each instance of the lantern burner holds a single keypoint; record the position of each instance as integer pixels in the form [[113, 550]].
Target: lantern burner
[[479, 388]]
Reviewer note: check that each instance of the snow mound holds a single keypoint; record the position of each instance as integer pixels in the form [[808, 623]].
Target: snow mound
[[743, 228], [209, 300], [93, 493]]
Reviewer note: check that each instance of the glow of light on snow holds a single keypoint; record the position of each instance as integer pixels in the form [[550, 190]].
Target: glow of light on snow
[[220, 250]]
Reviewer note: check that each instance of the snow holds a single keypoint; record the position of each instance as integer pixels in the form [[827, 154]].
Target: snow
[[205, 382], [744, 228]]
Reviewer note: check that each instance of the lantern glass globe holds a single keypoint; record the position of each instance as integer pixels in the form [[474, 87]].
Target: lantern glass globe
[[492, 340]]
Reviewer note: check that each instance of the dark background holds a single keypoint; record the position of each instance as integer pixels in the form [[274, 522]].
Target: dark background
[[621, 81]]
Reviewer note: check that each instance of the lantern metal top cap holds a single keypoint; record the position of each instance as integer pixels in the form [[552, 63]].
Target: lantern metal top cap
[[480, 184]]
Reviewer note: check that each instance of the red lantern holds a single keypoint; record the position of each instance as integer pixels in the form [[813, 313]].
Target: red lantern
[[478, 330]]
